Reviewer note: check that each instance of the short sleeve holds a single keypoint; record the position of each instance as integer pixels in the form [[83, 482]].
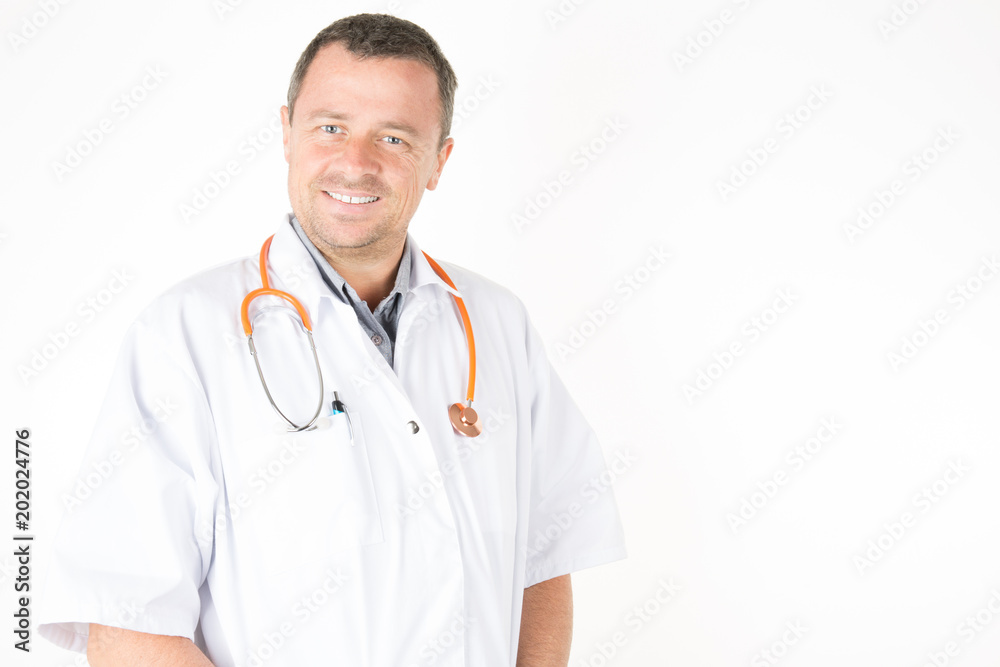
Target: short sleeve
[[128, 552], [573, 518]]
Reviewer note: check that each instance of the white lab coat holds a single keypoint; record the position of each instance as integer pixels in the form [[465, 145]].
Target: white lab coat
[[271, 548]]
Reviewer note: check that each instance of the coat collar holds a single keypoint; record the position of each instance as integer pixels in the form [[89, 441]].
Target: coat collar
[[291, 268]]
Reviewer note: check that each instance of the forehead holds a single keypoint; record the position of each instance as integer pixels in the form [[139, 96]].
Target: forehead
[[388, 85]]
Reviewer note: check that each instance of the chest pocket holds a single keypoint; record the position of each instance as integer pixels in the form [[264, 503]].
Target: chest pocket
[[312, 496]]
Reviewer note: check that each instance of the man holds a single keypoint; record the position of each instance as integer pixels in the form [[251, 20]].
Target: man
[[383, 534]]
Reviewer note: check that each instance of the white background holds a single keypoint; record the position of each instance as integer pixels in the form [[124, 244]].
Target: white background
[[684, 127]]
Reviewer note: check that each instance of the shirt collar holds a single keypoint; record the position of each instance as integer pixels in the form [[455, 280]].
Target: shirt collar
[[336, 282], [294, 270], [422, 274]]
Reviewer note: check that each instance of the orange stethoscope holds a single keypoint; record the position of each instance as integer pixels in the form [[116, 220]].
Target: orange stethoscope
[[464, 418]]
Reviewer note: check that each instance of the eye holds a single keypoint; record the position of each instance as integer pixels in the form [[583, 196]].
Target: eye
[[331, 129], [395, 141]]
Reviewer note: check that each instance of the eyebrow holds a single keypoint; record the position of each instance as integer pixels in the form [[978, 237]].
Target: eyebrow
[[337, 115]]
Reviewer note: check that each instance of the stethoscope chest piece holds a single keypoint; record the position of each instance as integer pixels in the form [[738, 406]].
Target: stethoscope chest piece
[[465, 419]]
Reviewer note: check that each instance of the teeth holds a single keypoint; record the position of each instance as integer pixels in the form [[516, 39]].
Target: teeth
[[351, 200]]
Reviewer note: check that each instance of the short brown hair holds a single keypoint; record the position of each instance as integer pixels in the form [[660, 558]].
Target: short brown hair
[[383, 36]]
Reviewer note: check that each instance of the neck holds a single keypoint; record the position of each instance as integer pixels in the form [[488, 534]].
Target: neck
[[371, 276]]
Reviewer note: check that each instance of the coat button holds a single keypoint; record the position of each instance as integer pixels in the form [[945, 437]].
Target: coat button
[[413, 426]]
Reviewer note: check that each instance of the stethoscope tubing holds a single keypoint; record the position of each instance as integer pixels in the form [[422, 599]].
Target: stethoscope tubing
[[465, 419]]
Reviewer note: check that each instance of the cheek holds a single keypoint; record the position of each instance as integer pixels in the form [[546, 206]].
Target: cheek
[[404, 180], [306, 160], [306, 173]]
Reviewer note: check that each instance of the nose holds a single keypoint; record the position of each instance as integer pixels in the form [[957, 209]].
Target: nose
[[357, 159]]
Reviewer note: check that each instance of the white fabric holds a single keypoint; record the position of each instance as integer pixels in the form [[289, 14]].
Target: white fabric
[[271, 548]]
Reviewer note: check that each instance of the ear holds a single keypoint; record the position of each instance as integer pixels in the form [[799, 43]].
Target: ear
[[286, 131], [442, 157]]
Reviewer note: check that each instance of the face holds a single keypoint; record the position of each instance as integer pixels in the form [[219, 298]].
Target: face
[[361, 149]]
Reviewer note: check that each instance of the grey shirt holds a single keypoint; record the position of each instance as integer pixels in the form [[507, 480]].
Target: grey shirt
[[380, 325]]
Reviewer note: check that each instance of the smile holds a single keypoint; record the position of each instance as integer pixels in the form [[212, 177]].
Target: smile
[[351, 200]]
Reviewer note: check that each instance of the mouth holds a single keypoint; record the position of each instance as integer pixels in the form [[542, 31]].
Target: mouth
[[349, 199]]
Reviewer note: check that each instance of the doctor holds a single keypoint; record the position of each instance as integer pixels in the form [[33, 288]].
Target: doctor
[[382, 535]]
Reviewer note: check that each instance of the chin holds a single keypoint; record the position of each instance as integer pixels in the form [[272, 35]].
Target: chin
[[343, 236]]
